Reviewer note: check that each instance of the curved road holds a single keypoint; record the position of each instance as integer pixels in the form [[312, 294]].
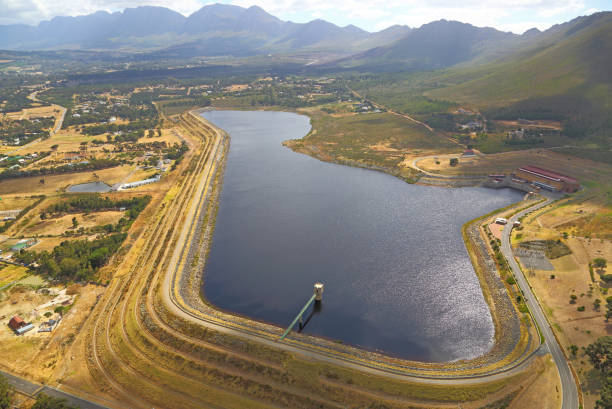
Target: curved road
[[173, 301], [568, 385]]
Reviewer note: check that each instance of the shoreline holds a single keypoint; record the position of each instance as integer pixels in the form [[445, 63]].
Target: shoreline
[[505, 354]]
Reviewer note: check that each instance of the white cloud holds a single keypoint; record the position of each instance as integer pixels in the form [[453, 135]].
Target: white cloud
[[514, 15]]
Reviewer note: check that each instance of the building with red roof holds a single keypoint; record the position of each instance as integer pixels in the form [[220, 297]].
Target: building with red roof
[[16, 322], [547, 179]]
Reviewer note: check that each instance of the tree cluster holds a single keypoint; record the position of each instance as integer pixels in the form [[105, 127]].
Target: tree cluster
[[92, 164], [135, 126], [600, 355], [75, 260], [94, 202]]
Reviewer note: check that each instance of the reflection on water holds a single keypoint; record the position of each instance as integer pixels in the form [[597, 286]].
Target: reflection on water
[[397, 275]]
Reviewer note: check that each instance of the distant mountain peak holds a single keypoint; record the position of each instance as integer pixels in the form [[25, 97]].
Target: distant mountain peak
[[532, 31]]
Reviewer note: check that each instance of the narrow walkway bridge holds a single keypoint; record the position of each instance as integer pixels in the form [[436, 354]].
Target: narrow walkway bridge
[[317, 296]]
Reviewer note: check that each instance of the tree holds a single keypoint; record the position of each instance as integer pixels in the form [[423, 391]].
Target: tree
[[605, 400], [6, 393], [597, 304], [75, 223], [573, 349], [69, 266], [600, 354], [47, 402], [454, 161], [600, 263]]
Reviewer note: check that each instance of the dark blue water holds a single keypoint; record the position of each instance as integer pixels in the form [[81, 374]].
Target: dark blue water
[[396, 272]]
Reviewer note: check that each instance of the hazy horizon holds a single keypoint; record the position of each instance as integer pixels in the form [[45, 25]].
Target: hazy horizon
[[516, 16]]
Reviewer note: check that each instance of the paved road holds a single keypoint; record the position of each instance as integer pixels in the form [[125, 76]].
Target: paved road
[[568, 385], [32, 389], [177, 307]]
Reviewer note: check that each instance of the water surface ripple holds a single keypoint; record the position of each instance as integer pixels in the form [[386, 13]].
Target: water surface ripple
[[397, 275]]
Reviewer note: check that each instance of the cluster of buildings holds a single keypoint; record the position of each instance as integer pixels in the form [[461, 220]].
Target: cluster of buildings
[[547, 179], [20, 327], [541, 179], [471, 126]]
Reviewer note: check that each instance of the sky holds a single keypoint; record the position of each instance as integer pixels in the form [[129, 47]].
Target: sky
[[372, 15]]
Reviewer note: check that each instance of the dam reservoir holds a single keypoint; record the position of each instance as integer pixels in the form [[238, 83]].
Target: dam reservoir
[[397, 276]]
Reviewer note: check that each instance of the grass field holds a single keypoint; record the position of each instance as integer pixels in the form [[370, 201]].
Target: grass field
[[379, 140], [57, 226], [57, 183], [28, 113], [10, 273], [170, 136], [13, 202], [68, 140], [582, 169]]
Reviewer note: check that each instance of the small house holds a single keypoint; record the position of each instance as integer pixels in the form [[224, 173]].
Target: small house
[[16, 322]]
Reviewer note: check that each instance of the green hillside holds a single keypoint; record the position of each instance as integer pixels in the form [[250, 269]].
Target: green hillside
[[577, 64], [562, 74]]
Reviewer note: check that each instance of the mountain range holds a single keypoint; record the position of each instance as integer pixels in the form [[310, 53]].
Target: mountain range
[[214, 30]]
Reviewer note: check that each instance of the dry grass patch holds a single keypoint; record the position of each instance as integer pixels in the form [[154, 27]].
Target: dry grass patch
[[13, 202], [36, 112], [68, 140], [544, 392], [58, 225], [582, 169], [570, 298], [59, 183], [170, 136], [10, 273]]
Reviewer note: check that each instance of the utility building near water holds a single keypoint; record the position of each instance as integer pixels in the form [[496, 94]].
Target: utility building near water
[[547, 179]]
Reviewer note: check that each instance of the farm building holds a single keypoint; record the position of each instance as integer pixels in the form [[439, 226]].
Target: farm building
[[547, 179], [138, 183], [16, 322], [24, 329]]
